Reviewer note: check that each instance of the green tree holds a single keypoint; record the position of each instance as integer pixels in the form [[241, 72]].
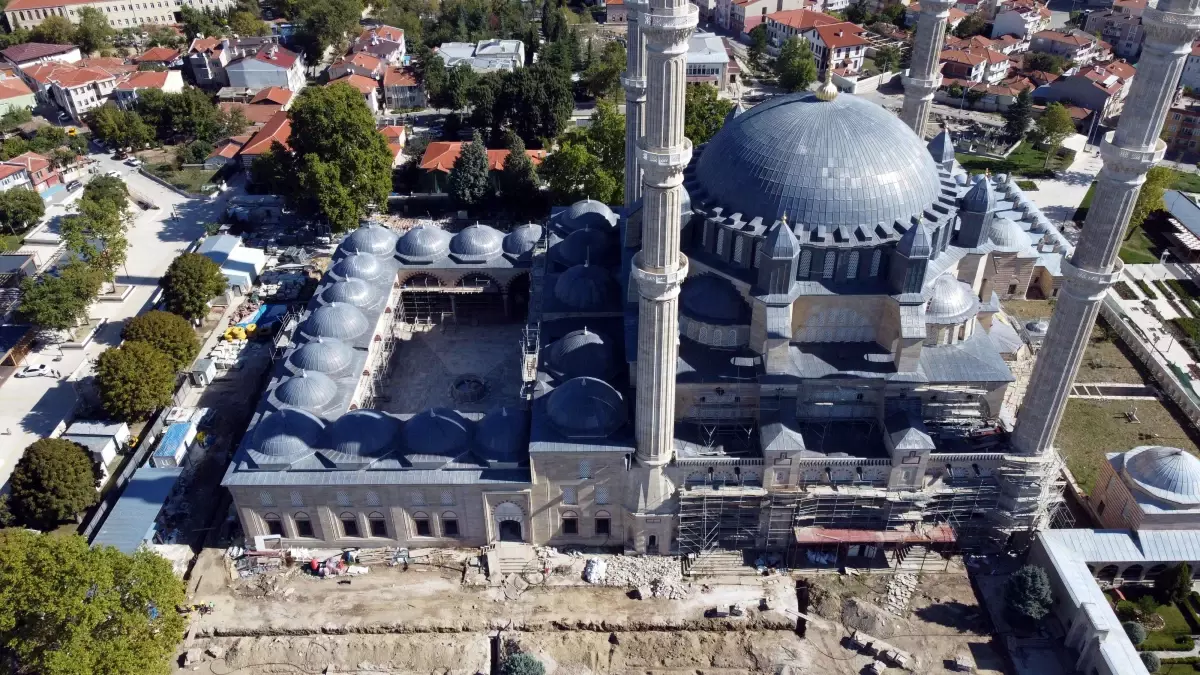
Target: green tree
[[1054, 126], [20, 209], [324, 23], [573, 174], [93, 32], [469, 181], [858, 13], [483, 102], [56, 30], [96, 233], [518, 179], [119, 128], [974, 24], [343, 164], [190, 282], [796, 68], [246, 23], [456, 93], [758, 45], [522, 663], [1150, 198], [162, 36], [603, 75], [271, 172], [1044, 62], [1135, 631], [68, 608], [198, 22], [704, 112], [605, 138], [1175, 584], [1027, 593], [887, 57], [134, 380], [536, 102], [1151, 661], [169, 333], [1018, 116], [60, 302], [53, 481], [432, 72]]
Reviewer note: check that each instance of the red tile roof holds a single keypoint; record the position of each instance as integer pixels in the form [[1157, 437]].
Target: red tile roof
[[278, 129], [370, 62], [33, 50], [277, 56], [7, 170], [962, 56], [956, 15], [109, 64], [230, 147], [31, 162], [1121, 68], [277, 95], [389, 33], [839, 35], [364, 84], [392, 132], [257, 114], [12, 87], [66, 75], [615, 2], [147, 79], [399, 77], [801, 19], [201, 45], [1079, 39], [1196, 48], [157, 54], [441, 155]]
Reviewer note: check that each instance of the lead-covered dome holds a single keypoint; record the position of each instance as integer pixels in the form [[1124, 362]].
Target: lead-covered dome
[[423, 242], [840, 162], [336, 320], [307, 389], [437, 431], [322, 355], [950, 301], [1169, 473], [714, 300], [580, 353], [359, 266], [585, 407], [587, 213], [370, 238], [288, 433], [522, 239], [585, 287], [353, 290], [502, 435], [586, 245], [476, 242], [363, 433], [1006, 235]]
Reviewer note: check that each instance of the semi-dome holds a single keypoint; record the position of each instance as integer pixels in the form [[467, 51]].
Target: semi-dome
[[363, 433], [336, 320], [711, 299], [585, 287], [1168, 473], [581, 353], [288, 433], [354, 291], [437, 431], [307, 389], [1007, 236], [587, 213], [424, 242], [842, 162], [586, 245], [950, 301], [359, 266], [322, 355], [477, 242], [371, 238], [522, 239], [585, 407], [502, 435]]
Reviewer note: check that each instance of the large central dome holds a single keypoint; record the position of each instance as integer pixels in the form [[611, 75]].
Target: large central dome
[[840, 162]]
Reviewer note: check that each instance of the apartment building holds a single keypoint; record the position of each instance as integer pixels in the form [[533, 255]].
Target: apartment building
[[708, 61], [838, 45], [1191, 68], [36, 53], [125, 93], [975, 64], [794, 23], [1120, 26], [366, 86], [1077, 46], [207, 58], [1022, 18], [383, 42], [741, 16], [74, 89], [272, 66], [358, 63], [120, 13], [401, 89], [1101, 88]]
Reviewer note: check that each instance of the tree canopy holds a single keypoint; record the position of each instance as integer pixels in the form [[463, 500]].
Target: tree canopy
[[169, 333], [974, 24], [190, 282], [1027, 593], [704, 112], [519, 179], [53, 481], [93, 32], [56, 30], [20, 209], [1150, 198], [134, 380], [1175, 584], [324, 23], [522, 663], [795, 67], [68, 608], [96, 232], [603, 74], [469, 180], [1018, 116], [60, 302], [1043, 61], [573, 174]]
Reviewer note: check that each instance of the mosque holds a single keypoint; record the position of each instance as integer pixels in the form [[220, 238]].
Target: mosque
[[786, 340]]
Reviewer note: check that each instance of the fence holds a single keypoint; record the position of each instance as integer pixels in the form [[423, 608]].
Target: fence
[[145, 445]]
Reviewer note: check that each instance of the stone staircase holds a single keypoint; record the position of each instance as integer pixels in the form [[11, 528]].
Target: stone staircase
[[509, 558], [720, 563], [915, 559]]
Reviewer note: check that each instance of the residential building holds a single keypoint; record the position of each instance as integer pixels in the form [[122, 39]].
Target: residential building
[[42, 175], [14, 176], [1101, 88], [1181, 129], [117, 67], [272, 66], [794, 23], [616, 12], [975, 64], [366, 86], [36, 53], [226, 152], [954, 16], [484, 56], [358, 63], [1191, 68], [383, 42], [1074, 45], [1121, 27], [1022, 18], [120, 13], [163, 57], [401, 89], [259, 107], [741, 16], [125, 94], [440, 156], [74, 89], [277, 130], [838, 45], [14, 93], [709, 61], [208, 58], [396, 138]]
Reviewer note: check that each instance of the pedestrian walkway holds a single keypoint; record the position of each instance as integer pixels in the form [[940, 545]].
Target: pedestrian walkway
[[1060, 197]]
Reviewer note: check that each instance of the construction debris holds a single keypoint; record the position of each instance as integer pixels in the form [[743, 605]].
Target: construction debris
[[632, 572], [899, 592]]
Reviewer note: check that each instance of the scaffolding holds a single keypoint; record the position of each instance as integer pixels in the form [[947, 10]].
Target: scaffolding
[[712, 518], [379, 364], [531, 337], [1031, 496], [537, 277]]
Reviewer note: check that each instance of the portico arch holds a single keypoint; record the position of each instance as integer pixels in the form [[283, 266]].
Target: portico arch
[[510, 522]]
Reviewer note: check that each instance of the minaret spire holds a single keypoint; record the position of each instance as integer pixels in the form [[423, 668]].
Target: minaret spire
[[924, 75], [634, 82]]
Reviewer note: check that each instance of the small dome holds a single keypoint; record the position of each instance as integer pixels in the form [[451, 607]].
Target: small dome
[[711, 299], [322, 355], [522, 239], [1007, 236], [950, 301], [359, 266], [424, 241], [503, 435], [307, 389], [354, 291], [363, 433], [336, 320], [437, 431], [582, 353], [585, 287], [1039, 326], [586, 245], [477, 242], [585, 407], [1169, 473], [371, 238], [981, 198], [288, 433], [588, 213]]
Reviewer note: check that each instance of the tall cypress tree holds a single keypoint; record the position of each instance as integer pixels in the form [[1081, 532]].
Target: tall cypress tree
[[469, 177], [1017, 117], [518, 180]]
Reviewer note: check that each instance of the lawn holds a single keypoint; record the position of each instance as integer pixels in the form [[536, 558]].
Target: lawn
[[1028, 310], [1027, 185], [1025, 161], [1091, 428], [1138, 248], [1185, 182], [1105, 361], [189, 180], [10, 242]]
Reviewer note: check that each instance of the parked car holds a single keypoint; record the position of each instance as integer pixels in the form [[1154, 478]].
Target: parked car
[[35, 371], [113, 174], [73, 186], [133, 161]]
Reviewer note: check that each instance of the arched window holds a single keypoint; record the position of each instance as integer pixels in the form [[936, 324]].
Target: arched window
[[349, 524], [343, 498], [585, 469], [876, 258], [266, 499], [449, 524], [805, 264], [739, 247], [830, 265], [378, 524], [304, 526], [372, 498], [603, 524], [570, 523], [421, 523], [602, 495], [274, 524], [852, 266]]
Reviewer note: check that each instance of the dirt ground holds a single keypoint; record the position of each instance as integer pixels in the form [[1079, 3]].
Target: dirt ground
[[426, 620]]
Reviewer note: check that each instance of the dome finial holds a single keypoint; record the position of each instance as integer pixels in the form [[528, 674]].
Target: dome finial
[[827, 91], [784, 218]]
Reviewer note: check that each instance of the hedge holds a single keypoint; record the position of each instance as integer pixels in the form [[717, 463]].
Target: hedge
[[1147, 289], [1124, 291], [1165, 642]]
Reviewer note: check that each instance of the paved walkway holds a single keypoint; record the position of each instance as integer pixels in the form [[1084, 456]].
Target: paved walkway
[[1059, 197], [33, 408]]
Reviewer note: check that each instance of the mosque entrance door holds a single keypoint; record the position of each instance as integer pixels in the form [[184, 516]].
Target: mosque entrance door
[[508, 518], [510, 530]]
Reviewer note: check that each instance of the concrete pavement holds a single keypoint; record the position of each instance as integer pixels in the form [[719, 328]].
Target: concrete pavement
[[33, 408], [1059, 197]]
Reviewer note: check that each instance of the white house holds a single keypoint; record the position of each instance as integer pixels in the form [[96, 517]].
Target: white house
[[34, 53], [485, 56], [383, 42], [366, 86], [1022, 18], [125, 94], [273, 66]]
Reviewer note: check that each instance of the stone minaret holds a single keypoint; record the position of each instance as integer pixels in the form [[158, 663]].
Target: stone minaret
[[924, 73], [1135, 148], [634, 82], [659, 268]]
